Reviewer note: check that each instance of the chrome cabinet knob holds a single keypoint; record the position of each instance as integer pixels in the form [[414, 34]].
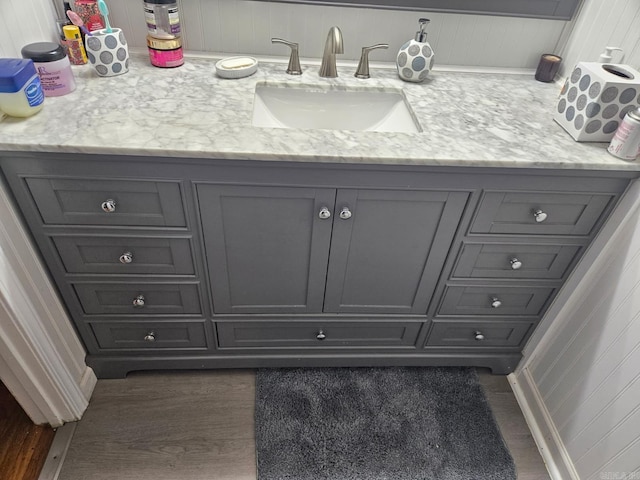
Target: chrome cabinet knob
[[138, 302], [345, 213], [126, 257], [150, 337], [324, 213], [540, 216], [109, 205], [495, 303], [321, 335], [515, 264], [478, 336]]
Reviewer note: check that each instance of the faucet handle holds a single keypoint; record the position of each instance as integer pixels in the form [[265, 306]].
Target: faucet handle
[[294, 60], [363, 67]]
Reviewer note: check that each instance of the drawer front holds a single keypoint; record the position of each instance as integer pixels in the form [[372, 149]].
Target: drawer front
[[317, 334], [510, 260], [80, 202], [452, 333], [514, 213], [494, 301], [149, 299], [125, 255], [149, 335]]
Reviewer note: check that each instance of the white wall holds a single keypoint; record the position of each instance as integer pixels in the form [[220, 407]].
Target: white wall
[[582, 382], [243, 26], [23, 22], [609, 23], [41, 357]]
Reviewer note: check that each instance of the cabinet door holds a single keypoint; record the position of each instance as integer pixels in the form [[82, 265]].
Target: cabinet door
[[267, 247], [387, 256]]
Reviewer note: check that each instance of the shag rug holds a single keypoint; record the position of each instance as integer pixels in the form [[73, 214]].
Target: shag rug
[[376, 424]]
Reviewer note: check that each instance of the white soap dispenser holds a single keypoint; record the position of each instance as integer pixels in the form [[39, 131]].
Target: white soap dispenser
[[606, 56], [415, 58]]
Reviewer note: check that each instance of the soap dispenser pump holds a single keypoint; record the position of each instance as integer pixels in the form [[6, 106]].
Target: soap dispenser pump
[[606, 56], [415, 58]]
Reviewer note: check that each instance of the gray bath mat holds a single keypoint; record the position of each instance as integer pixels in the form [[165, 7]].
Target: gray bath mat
[[376, 424]]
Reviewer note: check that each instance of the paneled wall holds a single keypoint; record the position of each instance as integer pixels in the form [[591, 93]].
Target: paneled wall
[[610, 23], [23, 22], [586, 373], [243, 26]]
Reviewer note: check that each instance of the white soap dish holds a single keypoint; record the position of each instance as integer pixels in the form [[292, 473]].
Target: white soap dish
[[236, 67]]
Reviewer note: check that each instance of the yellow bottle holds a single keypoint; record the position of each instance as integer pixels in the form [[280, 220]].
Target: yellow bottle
[[77, 53]]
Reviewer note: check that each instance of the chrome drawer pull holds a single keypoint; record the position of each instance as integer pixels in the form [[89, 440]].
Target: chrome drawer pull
[[109, 205], [478, 336], [126, 257], [150, 337], [540, 216], [495, 303], [321, 336], [515, 264], [138, 302], [324, 213], [345, 213]]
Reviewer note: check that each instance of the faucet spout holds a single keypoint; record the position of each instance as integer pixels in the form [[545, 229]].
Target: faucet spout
[[332, 46]]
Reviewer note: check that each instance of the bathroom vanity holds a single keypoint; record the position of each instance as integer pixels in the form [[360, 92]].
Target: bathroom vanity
[[205, 242]]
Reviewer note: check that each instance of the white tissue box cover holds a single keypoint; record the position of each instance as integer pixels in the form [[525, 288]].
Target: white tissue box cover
[[593, 101]]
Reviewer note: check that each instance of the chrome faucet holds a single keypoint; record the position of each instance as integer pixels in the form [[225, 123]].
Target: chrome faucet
[[363, 67], [331, 47]]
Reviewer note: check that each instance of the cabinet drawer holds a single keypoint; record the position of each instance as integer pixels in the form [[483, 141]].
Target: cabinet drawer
[[149, 335], [155, 299], [494, 301], [514, 213], [512, 260], [80, 202], [317, 334], [125, 255], [452, 333]]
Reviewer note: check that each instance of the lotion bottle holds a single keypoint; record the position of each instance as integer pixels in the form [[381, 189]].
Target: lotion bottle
[[608, 52], [415, 58]]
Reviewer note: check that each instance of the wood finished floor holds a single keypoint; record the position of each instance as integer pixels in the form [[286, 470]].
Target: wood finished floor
[[199, 426], [23, 445]]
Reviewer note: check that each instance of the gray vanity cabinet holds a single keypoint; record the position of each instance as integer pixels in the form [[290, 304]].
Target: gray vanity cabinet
[[305, 250], [204, 263]]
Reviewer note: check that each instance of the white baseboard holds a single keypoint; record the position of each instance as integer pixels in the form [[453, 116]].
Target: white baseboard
[[542, 428], [88, 382]]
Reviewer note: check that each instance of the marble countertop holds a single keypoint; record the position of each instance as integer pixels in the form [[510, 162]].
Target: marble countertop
[[468, 119]]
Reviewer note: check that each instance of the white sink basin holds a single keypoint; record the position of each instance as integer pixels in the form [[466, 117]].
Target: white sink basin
[[315, 108]]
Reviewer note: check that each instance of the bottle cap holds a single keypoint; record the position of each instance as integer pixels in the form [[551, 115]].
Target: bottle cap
[[635, 114], [163, 44], [14, 73], [71, 32], [43, 52]]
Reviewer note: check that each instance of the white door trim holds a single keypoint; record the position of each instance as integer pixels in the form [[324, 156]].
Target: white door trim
[[41, 358]]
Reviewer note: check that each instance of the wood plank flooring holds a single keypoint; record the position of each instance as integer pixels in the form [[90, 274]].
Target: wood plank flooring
[[23, 445], [199, 426]]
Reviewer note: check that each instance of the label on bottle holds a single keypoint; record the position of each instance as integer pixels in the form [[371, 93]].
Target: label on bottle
[[150, 18], [34, 93], [625, 143], [174, 20]]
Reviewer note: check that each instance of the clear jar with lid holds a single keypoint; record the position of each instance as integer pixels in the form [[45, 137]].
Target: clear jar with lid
[[163, 18], [53, 66]]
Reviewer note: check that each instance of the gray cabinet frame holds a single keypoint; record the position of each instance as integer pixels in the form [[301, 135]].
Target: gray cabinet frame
[[468, 183]]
